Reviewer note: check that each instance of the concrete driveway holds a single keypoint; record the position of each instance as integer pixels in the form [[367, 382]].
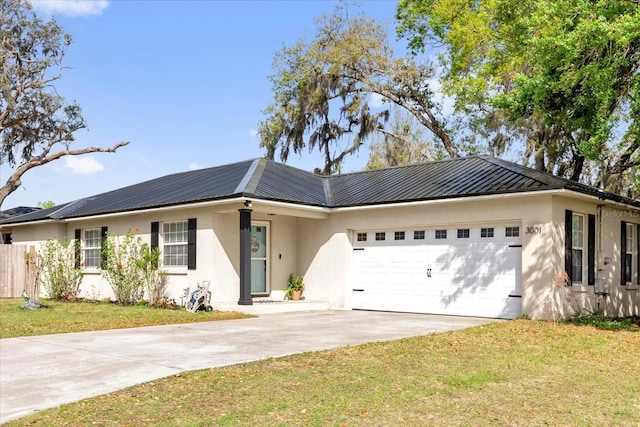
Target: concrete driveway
[[46, 371]]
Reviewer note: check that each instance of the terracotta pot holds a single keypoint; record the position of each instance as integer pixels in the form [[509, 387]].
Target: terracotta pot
[[295, 295]]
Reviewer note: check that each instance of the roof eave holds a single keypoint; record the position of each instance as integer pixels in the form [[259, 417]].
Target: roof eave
[[437, 200]]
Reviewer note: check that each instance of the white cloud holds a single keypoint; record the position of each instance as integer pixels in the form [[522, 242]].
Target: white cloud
[[378, 101], [71, 7], [194, 166], [253, 133], [85, 165]]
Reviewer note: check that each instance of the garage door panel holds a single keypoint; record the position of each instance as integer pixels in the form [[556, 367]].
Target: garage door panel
[[419, 255], [470, 278], [400, 256]]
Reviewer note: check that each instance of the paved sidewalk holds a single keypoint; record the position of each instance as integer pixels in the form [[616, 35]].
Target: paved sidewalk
[[45, 371]]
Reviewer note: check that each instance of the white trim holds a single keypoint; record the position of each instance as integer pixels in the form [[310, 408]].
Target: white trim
[[237, 200], [448, 200], [267, 252], [84, 248], [323, 212], [162, 244]]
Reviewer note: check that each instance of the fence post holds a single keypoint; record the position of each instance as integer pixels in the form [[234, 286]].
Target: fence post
[[31, 282]]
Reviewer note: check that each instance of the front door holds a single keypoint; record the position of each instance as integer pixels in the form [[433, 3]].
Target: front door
[[259, 258]]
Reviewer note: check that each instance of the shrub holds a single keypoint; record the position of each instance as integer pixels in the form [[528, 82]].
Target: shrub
[[166, 303], [154, 279], [131, 267], [599, 320], [57, 271]]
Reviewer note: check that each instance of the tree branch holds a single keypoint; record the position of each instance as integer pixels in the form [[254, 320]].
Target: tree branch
[[14, 180]]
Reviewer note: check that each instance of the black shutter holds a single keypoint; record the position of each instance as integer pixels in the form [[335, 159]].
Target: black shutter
[[591, 251], [568, 244], [191, 244], [78, 247], [623, 253], [103, 233], [155, 230]]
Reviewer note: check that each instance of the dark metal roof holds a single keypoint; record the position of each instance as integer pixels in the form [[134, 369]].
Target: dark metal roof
[[284, 183], [268, 180], [460, 177], [19, 210]]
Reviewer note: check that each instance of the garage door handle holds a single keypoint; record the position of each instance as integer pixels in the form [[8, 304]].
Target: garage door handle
[[358, 290], [358, 249], [515, 246], [515, 296]]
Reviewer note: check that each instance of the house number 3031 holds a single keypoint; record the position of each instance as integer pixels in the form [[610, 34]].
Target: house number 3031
[[533, 229]]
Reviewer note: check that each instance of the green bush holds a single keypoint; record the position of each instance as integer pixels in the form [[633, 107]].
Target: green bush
[[57, 271], [599, 320], [131, 267]]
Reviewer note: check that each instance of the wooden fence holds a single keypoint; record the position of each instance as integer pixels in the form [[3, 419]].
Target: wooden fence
[[17, 271]]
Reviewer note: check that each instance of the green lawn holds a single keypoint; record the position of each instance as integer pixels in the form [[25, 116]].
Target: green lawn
[[59, 317], [515, 373]]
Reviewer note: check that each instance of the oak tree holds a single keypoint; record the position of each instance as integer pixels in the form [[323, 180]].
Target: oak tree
[[323, 90], [37, 126], [561, 78], [403, 142]]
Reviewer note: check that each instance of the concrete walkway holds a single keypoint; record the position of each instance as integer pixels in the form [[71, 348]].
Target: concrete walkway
[[45, 371]]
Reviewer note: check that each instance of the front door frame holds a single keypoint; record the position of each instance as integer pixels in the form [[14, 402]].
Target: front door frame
[[266, 258]]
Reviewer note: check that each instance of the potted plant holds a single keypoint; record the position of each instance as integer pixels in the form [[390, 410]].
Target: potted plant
[[294, 288]]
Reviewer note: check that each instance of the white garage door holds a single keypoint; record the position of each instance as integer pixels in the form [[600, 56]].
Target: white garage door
[[464, 271]]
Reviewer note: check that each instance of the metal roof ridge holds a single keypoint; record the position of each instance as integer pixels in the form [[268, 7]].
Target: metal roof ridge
[[561, 182], [326, 186], [251, 178], [69, 208], [540, 176]]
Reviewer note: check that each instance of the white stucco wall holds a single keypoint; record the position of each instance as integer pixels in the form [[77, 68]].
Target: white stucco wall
[[325, 255], [319, 246], [623, 299]]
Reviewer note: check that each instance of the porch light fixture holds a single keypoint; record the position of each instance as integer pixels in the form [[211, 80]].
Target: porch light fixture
[[248, 204]]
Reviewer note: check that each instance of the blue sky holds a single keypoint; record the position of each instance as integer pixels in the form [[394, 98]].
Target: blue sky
[[184, 81]]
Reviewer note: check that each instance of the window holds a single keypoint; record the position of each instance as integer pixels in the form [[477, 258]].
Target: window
[[577, 247], [174, 243], [398, 235], [463, 233], [381, 236], [441, 234], [512, 232], [418, 235], [628, 254], [179, 242], [362, 237], [487, 232], [580, 248], [91, 247]]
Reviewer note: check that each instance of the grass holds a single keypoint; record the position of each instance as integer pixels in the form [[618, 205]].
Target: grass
[[516, 373], [599, 320], [59, 317]]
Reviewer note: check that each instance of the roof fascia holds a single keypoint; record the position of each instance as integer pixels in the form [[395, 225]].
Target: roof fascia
[[448, 200], [34, 222], [603, 200], [274, 207], [320, 212], [553, 192]]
